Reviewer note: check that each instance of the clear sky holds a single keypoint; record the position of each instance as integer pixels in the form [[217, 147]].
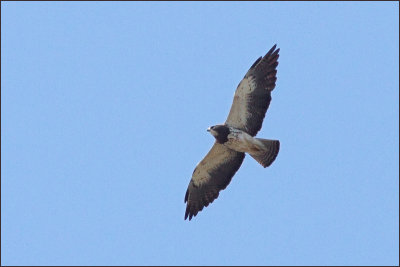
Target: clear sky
[[104, 112]]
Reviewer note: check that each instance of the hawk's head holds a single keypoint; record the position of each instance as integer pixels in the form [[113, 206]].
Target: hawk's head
[[220, 132]]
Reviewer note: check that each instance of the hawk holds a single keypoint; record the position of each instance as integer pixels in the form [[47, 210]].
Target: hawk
[[236, 136]]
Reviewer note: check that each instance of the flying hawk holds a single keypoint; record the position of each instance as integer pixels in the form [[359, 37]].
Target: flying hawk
[[235, 137]]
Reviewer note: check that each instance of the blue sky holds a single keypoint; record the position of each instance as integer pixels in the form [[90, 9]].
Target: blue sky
[[104, 112]]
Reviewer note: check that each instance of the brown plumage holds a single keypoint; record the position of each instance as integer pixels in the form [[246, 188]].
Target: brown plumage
[[250, 103]]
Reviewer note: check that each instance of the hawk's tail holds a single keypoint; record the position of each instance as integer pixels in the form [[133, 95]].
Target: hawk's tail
[[267, 154]]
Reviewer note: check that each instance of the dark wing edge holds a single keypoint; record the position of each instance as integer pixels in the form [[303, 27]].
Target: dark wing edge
[[211, 175], [253, 94]]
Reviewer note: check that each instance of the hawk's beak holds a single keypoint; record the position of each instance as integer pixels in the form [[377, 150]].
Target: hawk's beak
[[208, 129]]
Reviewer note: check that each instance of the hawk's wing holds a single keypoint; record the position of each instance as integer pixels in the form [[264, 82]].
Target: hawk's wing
[[210, 176], [253, 94]]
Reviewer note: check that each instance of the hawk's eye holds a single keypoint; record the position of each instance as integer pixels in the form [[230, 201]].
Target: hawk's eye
[[212, 127]]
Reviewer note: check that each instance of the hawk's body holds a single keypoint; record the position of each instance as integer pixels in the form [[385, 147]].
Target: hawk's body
[[235, 137], [242, 142]]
